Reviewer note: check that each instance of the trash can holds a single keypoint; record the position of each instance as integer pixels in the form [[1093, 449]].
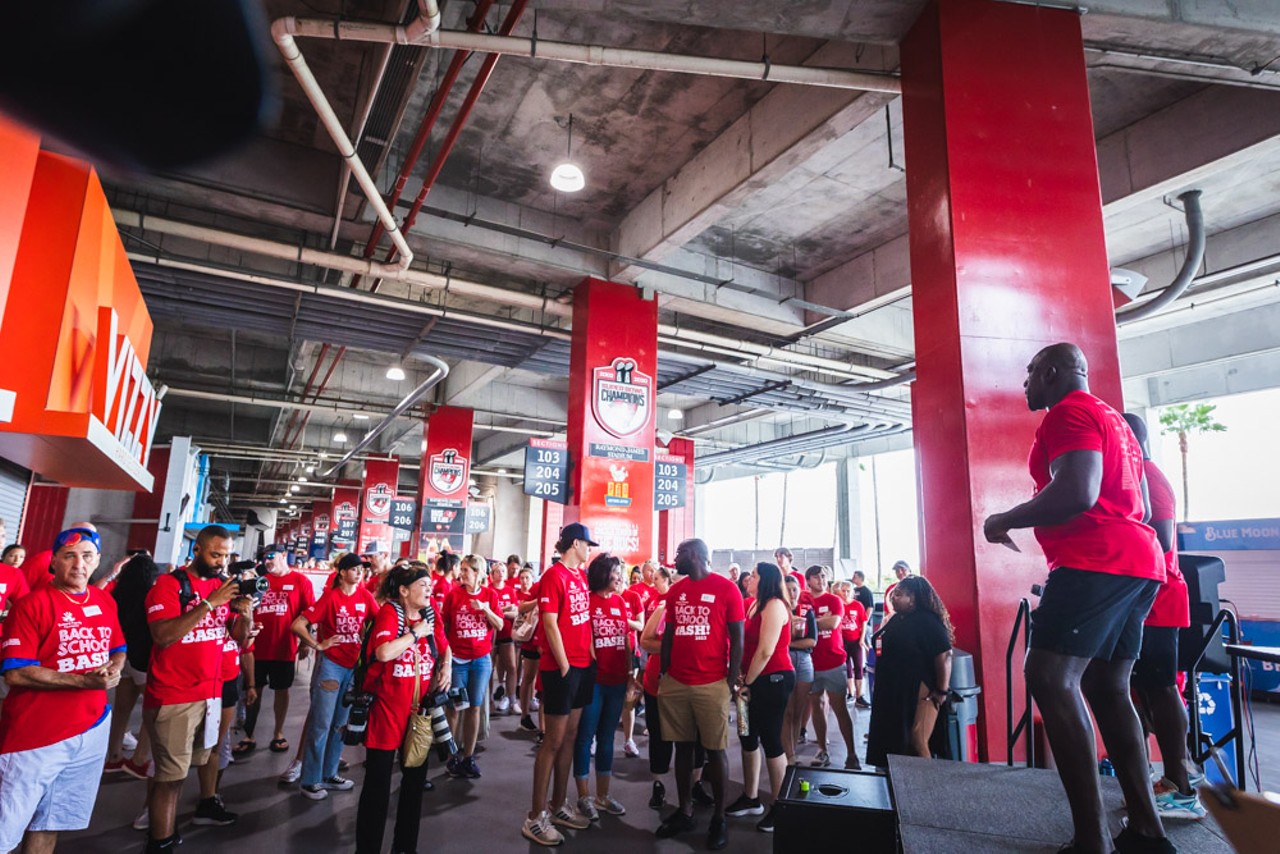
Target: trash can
[[955, 736], [1216, 719], [825, 809]]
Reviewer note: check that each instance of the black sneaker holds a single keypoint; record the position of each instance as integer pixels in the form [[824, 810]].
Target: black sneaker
[[210, 811], [454, 767], [1131, 842], [499, 692], [659, 797], [861, 703], [163, 846], [469, 768], [676, 823], [717, 835], [745, 806], [765, 825], [702, 794], [527, 724]]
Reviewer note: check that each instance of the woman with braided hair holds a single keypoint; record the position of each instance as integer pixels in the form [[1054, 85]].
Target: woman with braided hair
[[913, 672]]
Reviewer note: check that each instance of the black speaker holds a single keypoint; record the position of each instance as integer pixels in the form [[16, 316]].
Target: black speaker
[[1203, 573], [838, 808]]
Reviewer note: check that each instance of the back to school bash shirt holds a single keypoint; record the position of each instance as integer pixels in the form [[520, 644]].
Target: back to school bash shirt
[[391, 682], [508, 597], [69, 634], [288, 596], [190, 669], [829, 653], [701, 612], [611, 636], [1110, 536], [230, 649], [470, 633], [13, 585], [854, 618], [1172, 607], [563, 592], [342, 616]]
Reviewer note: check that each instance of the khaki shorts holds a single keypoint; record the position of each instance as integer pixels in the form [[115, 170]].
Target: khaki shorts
[[177, 739], [695, 712]]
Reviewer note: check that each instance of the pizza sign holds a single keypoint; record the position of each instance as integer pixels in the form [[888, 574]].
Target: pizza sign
[[378, 499], [448, 472], [621, 397]]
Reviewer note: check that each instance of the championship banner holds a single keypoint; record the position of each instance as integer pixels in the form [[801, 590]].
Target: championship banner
[[445, 479], [345, 519], [320, 529], [380, 477], [612, 401]]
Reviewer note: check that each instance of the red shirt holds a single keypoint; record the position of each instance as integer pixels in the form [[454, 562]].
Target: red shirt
[[230, 649], [341, 616], [563, 592], [702, 611], [288, 596], [829, 652], [69, 634], [440, 588], [610, 634], [190, 669], [1172, 608], [391, 682], [470, 634], [854, 618], [780, 659], [13, 585], [508, 596], [653, 665], [640, 593], [1110, 536]]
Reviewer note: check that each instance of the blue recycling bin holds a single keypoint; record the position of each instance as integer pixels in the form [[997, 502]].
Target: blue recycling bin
[[1216, 719]]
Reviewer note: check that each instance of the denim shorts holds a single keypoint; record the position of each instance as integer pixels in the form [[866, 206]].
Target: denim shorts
[[52, 788], [474, 676], [802, 661]]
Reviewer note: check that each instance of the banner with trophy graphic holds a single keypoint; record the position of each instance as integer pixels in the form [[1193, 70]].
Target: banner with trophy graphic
[[445, 481]]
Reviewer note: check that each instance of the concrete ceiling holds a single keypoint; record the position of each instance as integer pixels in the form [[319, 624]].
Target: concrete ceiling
[[807, 227]]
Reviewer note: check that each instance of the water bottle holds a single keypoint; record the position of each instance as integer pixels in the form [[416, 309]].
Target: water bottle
[[744, 725], [1106, 769]]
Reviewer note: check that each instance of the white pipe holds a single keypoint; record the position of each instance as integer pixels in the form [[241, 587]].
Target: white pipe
[[687, 337], [601, 55], [361, 122]]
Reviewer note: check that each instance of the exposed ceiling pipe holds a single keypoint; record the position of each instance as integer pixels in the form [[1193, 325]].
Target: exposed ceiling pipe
[[601, 55], [1195, 257], [687, 337], [783, 445], [362, 120], [441, 371], [881, 385]]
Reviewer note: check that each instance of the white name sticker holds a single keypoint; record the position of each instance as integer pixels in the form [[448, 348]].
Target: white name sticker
[[708, 597], [359, 606], [92, 610], [615, 612], [287, 587]]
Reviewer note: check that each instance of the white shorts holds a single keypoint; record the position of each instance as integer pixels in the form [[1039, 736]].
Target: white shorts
[[51, 788], [137, 677]]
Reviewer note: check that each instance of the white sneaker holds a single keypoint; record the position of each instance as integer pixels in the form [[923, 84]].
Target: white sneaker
[[291, 774], [315, 793], [539, 830], [629, 747], [515, 708], [338, 783], [587, 809], [567, 816], [502, 705], [143, 821], [535, 704], [130, 741], [1175, 805]]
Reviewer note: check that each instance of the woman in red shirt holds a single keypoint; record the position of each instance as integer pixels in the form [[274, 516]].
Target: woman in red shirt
[[402, 649], [471, 615], [527, 602], [611, 627], [851, 624], [769, 677], [504, 650]]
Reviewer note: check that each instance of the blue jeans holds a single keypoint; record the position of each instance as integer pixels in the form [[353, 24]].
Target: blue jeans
[[599, 721], [474, 676], [324, 724]]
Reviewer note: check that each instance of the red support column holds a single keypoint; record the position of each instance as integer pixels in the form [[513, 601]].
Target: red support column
[[1007, 255], [552, 521]]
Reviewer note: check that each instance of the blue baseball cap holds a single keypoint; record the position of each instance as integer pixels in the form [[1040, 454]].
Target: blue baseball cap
[[577, 531]]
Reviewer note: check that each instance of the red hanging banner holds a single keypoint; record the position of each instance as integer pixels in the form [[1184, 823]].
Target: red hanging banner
[[444, 481], [344, 519], [613, 368], [380, 478], [319, 547]]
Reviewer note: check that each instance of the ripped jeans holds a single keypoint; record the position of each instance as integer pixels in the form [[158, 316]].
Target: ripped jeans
[[324, 724]]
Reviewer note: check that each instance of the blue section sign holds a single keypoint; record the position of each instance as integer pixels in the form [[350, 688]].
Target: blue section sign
[[1229, 535]]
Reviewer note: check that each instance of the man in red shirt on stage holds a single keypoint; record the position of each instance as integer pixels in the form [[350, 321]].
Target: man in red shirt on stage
[[1105, 568], [1155, 673], [701, 666], [288, 595], [63, 650]]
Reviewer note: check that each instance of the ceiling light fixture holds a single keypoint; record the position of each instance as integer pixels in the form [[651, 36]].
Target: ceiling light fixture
[[676, 415], [312, 469], [395, 373], [294, 488], [568, 177], [339, 437], [284, 501], [302, 478], [360, 416]]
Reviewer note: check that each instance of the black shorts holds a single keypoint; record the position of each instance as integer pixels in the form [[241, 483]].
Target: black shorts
[[1087, 614], [503, 640], [230, 693], [563, 694], [1157, 667], [530, 652], [278, 675]]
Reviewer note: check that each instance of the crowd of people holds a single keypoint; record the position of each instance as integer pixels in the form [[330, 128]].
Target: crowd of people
[[415, 656]]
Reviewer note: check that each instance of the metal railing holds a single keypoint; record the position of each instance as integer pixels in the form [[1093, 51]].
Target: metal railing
[[1026, 723], [1202, 746]]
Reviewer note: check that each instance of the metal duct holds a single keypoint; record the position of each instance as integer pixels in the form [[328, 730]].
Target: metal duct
[[1195, 257]]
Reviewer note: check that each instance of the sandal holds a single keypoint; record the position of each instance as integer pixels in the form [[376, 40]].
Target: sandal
[[279, 745], [246, 746]]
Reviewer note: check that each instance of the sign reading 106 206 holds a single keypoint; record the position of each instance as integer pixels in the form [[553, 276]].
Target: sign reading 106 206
[[670, 482], [546, 470]]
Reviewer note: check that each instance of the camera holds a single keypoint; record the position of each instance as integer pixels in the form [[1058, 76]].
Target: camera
[[433, 707], [358, 719], [255, 585]]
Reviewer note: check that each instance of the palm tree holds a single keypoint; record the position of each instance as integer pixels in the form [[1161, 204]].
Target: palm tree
[[1183, 420]]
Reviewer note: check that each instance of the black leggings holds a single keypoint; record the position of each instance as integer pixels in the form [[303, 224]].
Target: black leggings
[[659, 748], [765, 708], [375, 798]]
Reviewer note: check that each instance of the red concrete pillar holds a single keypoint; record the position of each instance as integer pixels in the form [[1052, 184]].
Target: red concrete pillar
[[552, 521], [676, 524], [443, 480], [613, 366], [1007, 255]]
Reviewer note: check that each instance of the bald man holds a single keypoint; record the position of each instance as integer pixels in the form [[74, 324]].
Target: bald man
[[1088, 512]]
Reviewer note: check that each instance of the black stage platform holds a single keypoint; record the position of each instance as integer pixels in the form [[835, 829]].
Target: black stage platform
[[959, 807]]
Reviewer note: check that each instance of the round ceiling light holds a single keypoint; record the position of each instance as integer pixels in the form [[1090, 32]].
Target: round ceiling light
[[568, 178]]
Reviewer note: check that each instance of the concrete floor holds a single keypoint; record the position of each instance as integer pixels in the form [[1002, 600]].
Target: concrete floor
[[460, 815]]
